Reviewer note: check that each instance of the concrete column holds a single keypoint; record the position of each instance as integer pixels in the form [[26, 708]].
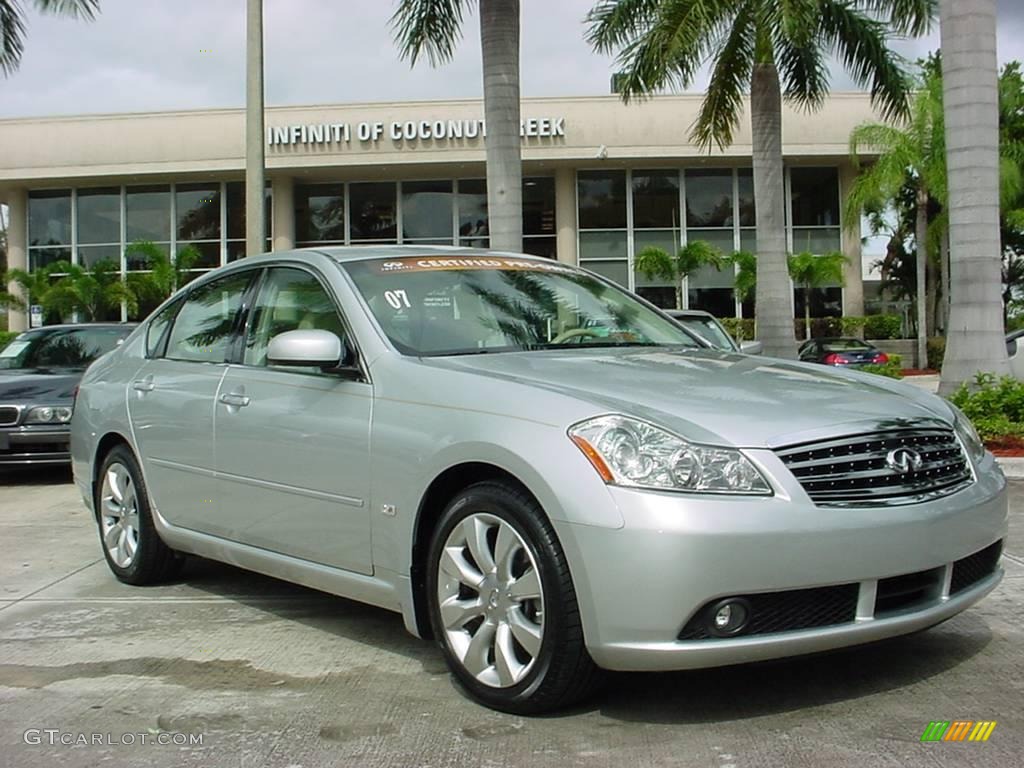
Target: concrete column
[[565, 214], [853, 290], [284, 213], [255, 225], [17, 251]]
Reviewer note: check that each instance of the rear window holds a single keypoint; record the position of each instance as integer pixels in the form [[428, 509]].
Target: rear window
[[846, 345], [60, 348]]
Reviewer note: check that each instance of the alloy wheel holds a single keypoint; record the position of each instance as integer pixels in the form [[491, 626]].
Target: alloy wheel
[[491, 600], [119, 515]]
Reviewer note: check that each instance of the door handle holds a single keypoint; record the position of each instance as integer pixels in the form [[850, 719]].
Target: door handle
[[234, 399], [144, 385]]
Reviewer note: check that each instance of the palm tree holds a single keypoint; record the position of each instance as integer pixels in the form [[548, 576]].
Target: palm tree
[[760, 45], [12, 25], [912, 152], [64, 289], [810, 271], [433, 27], [970, 92], [164, 275], [654, 262]]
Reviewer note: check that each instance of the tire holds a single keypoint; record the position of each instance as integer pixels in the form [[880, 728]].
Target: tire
[[132, 547], [514, 641]]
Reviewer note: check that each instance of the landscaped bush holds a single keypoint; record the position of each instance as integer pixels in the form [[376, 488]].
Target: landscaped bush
[[936, 352], [883, 327], [6, 337], [996, 406], [740, 328], [851, 325], [893, 369]]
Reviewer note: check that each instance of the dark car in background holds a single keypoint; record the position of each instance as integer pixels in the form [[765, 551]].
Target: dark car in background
[[711, 330], [39, 372], [851, 353]]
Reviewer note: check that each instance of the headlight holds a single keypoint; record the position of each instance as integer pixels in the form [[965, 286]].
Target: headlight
[[968, 434], [49, 414], [636, 454]]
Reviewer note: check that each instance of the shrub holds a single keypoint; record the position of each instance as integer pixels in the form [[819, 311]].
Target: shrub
[[936, 352], [852, 325], [883, 327], [893, 369], [740, 328], [6, 337], [996, 406]]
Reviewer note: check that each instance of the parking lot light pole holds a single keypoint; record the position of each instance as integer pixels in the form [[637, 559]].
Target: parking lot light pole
[[254, 145]]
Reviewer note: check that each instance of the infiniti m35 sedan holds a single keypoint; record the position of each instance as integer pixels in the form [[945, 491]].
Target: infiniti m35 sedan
[[540, 471]]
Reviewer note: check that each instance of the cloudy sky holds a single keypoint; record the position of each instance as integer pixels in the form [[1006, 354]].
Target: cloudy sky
[[142, 55]]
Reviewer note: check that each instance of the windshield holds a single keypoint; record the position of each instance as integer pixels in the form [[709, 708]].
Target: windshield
[[708, 328], [459, 305], [60, 348]]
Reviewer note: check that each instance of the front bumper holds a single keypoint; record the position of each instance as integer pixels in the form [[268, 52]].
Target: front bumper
[[34, 446], [640, 586]]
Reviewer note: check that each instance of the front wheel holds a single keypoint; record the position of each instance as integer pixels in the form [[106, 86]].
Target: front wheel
[[502, 603], [131, 544]]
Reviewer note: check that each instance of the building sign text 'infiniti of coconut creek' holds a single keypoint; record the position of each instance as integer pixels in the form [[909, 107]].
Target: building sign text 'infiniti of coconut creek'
[[405, 131]]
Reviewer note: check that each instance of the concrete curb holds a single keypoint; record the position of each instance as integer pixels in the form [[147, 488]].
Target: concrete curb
[[1012, 466]]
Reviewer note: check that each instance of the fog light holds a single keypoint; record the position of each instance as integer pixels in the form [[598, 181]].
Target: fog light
[[729, 617]]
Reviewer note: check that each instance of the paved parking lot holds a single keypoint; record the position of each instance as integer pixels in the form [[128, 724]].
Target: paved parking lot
[[274, 675]]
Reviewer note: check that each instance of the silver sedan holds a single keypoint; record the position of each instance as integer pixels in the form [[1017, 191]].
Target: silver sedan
[[537, 469]]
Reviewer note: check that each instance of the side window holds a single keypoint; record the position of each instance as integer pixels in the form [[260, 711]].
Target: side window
[[290, 300], [203, 327], [158, 329]]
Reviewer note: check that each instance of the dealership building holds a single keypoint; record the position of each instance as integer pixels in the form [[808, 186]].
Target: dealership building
[[601, 180]]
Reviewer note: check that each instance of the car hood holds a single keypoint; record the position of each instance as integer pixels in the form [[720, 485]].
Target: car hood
[[717, 397], [37, 386]]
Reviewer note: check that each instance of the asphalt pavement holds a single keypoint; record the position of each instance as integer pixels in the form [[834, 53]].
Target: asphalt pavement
[[264, 673]]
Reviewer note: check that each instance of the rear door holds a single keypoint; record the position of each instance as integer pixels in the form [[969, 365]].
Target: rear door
[[292, 444], [171, 400]]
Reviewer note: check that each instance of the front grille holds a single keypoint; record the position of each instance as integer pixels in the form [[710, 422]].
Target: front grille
[[8, 415], [908, 591], [785, 611], [969, 570], [854, 470]]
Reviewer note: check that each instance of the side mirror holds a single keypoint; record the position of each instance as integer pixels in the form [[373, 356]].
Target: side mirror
[[751, 347], [311, 348]]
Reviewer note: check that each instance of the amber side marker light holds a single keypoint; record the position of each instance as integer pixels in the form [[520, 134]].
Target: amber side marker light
[[595, 458]]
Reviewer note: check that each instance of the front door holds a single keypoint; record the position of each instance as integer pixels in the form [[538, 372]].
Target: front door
[[292, 445], [171, 400]]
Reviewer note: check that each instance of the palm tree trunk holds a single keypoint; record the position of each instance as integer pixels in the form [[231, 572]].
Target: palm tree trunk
[[499, 41], [921, 269], [970, 95], [255, 160], [807, 312], [944, 271], [774, 293]]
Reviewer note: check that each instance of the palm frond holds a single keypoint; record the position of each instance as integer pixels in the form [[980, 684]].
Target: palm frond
[[12, 36], [614, 23], [655, 263], [906, 17], [803, 69], [720, 113], [860, 42], [432, 27], [75, 9]]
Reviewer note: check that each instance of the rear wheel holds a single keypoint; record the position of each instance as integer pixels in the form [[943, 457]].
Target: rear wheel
[[131, 545], [502, 603]]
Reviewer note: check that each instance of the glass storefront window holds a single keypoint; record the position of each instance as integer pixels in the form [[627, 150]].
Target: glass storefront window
[[815, 196], [539, 206], [372, 206], [89, 255], [472, 203], [99, 215], [49, 217], [718, 301], [43, 257], [427, 211], [709, 198], [745, 203], [722, 239], [198, 211], [209, 254], [319, 213], [235, 195], [655, 199], [541, 246], [816, 239], [603, 245], [148, 213], [601, 199]]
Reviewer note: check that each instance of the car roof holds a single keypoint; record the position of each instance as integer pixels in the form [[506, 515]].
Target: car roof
[[833, 339], [695, 314], [344, 253], [67, 326]]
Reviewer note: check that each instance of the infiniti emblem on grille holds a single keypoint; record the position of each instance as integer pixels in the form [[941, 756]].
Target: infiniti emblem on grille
[[903, 460]]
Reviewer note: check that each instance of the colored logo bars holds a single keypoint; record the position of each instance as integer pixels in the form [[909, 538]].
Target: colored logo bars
[[958, 730]]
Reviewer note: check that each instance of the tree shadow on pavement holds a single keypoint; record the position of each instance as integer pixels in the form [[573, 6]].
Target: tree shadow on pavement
[[55, 475]]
